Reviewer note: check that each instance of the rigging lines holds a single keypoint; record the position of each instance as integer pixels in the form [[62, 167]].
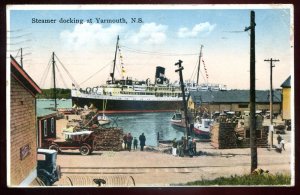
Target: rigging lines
[[155, 53]]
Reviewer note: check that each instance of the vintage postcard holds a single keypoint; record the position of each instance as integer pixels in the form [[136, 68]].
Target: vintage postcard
[[150, 95]]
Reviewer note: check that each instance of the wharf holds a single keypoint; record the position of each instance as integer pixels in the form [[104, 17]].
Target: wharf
[[150, 168]]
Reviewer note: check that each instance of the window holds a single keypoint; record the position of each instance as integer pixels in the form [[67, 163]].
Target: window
[[52, 125], [45, 128], [243, 105]]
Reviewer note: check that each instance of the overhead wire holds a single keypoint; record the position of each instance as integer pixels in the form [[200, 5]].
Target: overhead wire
[[62, 78], [155, 53], [68, 73], [19, 36], [45, 74], [17, 43], [105, 66], [194, 72]]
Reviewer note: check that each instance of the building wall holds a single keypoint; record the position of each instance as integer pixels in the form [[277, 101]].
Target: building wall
[[23, 133], [239, 107], [46, 132], [191, 104], [286, 103]]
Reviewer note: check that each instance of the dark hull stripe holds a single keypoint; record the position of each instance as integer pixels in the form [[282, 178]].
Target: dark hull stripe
[[122, 106]]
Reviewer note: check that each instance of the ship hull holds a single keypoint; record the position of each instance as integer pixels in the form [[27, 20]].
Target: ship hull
[[127, 106], [200, 132]]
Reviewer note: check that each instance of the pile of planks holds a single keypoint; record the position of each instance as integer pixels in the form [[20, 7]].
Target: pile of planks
[[244, 134], [108, 139], [223, 135]]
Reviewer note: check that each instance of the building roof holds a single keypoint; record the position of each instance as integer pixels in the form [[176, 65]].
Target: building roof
[[286, 83], [233, 96], [23, 78]]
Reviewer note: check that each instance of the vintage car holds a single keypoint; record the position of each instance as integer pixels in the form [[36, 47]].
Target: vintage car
[[47, 170], [82, 140]]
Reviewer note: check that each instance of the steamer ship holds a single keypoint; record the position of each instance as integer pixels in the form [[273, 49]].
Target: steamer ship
[[128, 95]]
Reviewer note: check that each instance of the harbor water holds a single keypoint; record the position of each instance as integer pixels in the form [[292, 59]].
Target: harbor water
[[136, 123]]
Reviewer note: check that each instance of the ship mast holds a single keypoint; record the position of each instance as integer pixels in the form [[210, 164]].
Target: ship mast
[[54, 89], [200, 55], [113, 73]]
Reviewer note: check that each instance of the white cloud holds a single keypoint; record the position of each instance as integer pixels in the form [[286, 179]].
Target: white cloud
[[87, 35], [149, 33], [204, 28]]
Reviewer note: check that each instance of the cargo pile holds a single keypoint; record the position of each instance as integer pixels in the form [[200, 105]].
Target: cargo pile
[[243, 134], [223, 135], [230, 134], [108, 139]]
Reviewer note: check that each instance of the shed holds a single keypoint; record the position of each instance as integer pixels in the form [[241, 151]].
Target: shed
[[286, 99], [22, 127]]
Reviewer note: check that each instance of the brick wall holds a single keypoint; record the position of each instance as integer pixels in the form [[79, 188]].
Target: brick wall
[[23, 132]]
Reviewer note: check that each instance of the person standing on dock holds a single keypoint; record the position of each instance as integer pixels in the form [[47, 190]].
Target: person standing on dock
[[129, 141], [125, 141], [194, 146], [279, 138], [135, 143], [174, 147], [142, 139], [190, 147], [181, 147]]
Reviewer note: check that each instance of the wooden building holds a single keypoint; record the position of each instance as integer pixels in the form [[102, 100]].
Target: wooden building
[[232, 100], [22, 130], [46, 129], [286, 99]]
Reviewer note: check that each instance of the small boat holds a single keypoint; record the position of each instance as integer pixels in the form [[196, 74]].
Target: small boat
[[177, 120], [202, 126], [103, 120]]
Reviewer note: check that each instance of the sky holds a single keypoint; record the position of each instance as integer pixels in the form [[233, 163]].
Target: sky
[[165, 35]]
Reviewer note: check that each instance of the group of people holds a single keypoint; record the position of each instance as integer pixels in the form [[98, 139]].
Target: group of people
[[184, 146], [128, 139]]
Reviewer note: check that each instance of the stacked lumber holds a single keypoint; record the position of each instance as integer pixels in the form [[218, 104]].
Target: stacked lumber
[[261, 139], [108, 139], [223, 135]]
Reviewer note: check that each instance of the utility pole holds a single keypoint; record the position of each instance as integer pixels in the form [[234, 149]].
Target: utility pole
[[271, 96], [180, 68], [200, 55], [54, 90], [21, 57], [253, 145]]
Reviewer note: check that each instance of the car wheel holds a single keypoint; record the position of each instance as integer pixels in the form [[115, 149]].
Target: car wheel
[[54, 147], [45, 180], [85, 150]]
